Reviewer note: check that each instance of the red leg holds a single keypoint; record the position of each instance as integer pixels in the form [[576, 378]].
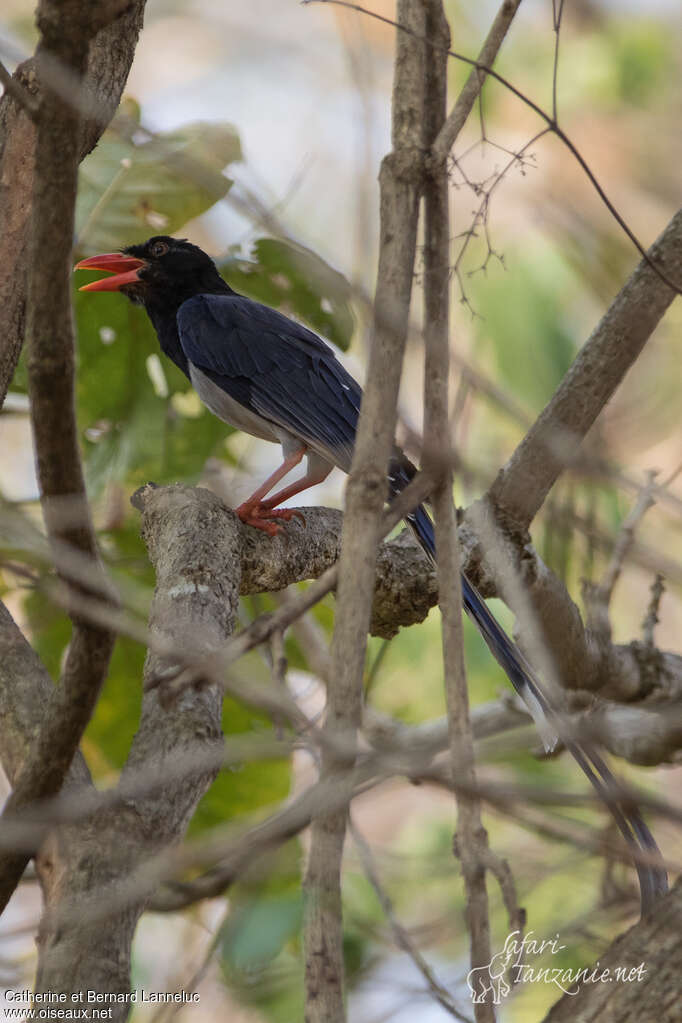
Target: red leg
[[259, 513], [311, 479], [249, 511], [287, 465]]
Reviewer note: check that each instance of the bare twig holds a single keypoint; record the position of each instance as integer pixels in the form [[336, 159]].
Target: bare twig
[[557, 13], [597, 596], [18, 92], [626, 538], [471, 839], [651, 620], [454, 123], [278, 663]]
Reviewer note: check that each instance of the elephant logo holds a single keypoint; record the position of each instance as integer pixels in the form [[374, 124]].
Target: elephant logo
[[483, 980]]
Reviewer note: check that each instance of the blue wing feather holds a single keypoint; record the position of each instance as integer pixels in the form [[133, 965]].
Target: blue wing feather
[[275, 367]]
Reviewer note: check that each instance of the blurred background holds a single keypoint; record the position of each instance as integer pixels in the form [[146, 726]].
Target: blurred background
[[257, 131]]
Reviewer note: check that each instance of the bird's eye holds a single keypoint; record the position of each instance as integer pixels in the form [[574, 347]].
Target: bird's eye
[[159, 249]]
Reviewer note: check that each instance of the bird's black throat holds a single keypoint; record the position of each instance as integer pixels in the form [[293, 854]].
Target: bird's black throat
[[162, 309]]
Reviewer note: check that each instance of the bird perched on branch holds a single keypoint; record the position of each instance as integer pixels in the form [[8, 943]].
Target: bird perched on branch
[[268, 375]]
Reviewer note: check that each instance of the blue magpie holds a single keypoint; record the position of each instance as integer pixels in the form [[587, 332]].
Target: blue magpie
[[268, 375]]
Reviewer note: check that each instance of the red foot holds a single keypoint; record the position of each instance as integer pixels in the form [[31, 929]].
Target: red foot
[[260, 516]]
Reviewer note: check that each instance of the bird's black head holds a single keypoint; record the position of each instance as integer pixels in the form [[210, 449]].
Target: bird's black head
[[161, 272]]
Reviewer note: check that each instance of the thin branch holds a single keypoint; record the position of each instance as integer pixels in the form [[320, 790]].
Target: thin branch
[[651, 620], [450, 130], [626, 537], [597, 596], [470, 840], [557, 14], [400, 181], [400, 935], [513, 804], [17, 91]]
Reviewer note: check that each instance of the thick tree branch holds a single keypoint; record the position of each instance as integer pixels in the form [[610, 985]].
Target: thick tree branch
[[260, 630], [404, 585], [602, 683], [624, 694], [630, 686], [195, 603], [66, 33], [25, 692], [106, 61], [553, 441]]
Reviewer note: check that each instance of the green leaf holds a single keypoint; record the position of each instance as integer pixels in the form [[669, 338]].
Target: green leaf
[[297, 281], [257, 931], [129, 432], [49, 628], [129, 191]]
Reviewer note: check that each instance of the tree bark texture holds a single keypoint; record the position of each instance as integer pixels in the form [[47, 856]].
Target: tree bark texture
[[656, 942], [90, 913]]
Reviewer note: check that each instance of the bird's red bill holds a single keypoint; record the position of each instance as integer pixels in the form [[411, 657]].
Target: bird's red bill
[[124, 268]]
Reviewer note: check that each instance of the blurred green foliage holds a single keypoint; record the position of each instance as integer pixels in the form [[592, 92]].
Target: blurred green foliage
[[526, 325], [130, 189], [288, 276], [643, 57]]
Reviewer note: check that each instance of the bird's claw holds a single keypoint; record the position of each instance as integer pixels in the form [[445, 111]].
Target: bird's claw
[[280, 513], [261, 517]]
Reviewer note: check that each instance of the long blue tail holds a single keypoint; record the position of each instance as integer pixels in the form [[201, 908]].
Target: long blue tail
[[653, 880]]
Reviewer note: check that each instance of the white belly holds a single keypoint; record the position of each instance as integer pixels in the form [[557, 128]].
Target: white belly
[[230, 411]]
